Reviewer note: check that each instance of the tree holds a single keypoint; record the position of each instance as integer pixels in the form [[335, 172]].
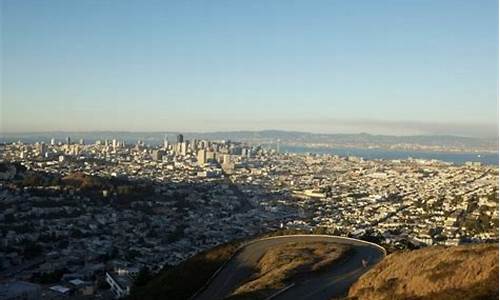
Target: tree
[[143, 277], [32, 250], [320, 230]]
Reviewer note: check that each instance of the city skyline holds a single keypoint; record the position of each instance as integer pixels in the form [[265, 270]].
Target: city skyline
[[329, 67]]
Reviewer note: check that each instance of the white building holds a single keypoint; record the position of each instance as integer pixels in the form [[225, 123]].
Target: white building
[[120, 282]]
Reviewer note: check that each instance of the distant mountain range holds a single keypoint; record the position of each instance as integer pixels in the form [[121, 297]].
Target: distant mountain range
[[271, 137]]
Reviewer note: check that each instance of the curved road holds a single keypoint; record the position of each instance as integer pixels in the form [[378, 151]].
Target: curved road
[[326, 285]]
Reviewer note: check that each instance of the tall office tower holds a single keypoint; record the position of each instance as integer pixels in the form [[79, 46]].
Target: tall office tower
[[115, 144], [226, 158], [42, 149], [157, 155], [165, 143], [68, 140], [227, 164], [210, 155], [202, 157], [184, 147], [278, 146], [106, 143], [82, 142], [194, 145], [180, 138], [235, 150], [52, 141]]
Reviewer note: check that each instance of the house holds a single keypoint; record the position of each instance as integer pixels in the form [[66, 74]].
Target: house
[[120, 282], [20, 290]]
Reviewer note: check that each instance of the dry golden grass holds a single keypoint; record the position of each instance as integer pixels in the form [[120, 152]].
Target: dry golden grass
[[180, 282], [462, 272], [280, 264]]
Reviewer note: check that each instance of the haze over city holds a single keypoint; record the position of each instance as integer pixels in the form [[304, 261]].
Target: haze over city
[[426, 67]]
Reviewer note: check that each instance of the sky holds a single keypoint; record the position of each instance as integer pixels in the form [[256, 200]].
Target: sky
[[391, 67]]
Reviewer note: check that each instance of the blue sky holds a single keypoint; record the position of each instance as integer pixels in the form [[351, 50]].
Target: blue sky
[[396, 67]]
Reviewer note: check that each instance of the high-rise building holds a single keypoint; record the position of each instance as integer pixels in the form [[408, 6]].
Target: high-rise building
[[210, 156], [180, 138], [184, 147], [194, 145], [52, 141], [157, 155], [42, 149], [227, 165], [235, 150], [82, 142], [202, 157], [68, 140]]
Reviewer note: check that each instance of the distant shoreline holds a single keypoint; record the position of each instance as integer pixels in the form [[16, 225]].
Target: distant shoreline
[[417, 148], [395, 154], [453, 149]]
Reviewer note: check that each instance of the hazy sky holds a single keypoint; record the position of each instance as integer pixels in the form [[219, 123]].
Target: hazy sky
[[401, 67]]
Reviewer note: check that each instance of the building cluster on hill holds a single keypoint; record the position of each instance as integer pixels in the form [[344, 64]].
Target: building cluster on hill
[[76, 218]]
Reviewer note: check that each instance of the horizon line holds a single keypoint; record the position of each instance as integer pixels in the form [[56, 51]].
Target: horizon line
[[240, 131]]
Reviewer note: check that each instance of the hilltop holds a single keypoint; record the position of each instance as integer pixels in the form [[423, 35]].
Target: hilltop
[[279, 265], [465, 272], [439, 273]]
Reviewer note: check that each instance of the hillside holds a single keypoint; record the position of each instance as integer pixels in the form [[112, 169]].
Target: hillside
[[438, 273], [442, 273], [278, 266], [182, 281]]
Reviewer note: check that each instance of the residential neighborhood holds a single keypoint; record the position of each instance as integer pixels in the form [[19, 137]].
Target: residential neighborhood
[[88, 219]]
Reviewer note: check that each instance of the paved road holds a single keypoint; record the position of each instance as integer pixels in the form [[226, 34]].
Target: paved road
[[333, 283]]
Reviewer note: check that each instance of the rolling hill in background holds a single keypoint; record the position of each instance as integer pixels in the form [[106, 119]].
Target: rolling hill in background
[[271, 136]]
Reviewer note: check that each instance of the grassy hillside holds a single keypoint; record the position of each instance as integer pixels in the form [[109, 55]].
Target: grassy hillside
[[282, 263], [437, 273], [182, 281]]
